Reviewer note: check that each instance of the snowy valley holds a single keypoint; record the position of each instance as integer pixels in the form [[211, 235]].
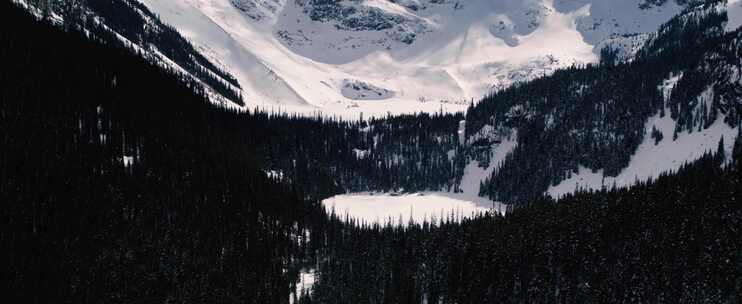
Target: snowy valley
[[372, 58], [371, 151]]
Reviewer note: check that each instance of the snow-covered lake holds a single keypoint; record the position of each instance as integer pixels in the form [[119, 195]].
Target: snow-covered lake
[[383, 207]]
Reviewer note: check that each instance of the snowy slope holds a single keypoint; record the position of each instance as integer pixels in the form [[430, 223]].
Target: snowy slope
[[257, 79], [651, 160], [734, 12], [424, 55], [475, 173], [654, 158]]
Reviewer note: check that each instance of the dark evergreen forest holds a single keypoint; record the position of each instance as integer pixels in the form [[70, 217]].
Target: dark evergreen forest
[[673, 240], [120, 182], [325, 156]]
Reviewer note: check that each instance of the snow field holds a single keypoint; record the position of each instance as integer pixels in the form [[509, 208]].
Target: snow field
[[287, 62], [385, 208]]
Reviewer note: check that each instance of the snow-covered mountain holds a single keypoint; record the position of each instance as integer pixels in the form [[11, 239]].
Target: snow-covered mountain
[[377, 56]]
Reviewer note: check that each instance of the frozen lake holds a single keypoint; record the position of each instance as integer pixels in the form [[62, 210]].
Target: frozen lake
[[383, 207]]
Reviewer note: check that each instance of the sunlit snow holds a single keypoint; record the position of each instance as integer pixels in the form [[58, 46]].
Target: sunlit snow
[[391, 208], [306, 281], [734, 12], [462, 50], [128, 161], [651, 160], [474, 174]]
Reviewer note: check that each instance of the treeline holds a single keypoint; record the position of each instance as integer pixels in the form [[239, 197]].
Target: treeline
[[595, 115], [119, 184], [671, 240], [326, 156]]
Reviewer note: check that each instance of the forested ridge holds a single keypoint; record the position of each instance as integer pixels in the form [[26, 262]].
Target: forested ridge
[[594, 116], [121, 182]]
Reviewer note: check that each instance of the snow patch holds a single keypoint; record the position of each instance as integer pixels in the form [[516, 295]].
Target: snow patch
[[128, 161], [361, 154], [274, 174], [307, 277], [734, 13], [462, 133]]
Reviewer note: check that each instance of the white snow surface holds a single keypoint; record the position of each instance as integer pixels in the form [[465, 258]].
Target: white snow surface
[[127, 160], [440, 55], [306, 282], [734, 12], [474, 174], [385, 208], [274, 174], [462, 133]]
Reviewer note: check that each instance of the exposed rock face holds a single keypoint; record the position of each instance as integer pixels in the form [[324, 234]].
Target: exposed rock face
[[359, 90], [354, 15]]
